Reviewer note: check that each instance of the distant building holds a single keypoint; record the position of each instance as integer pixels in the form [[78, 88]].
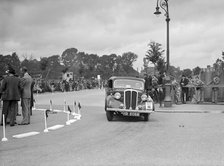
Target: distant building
[[67, 76], [149, 70]]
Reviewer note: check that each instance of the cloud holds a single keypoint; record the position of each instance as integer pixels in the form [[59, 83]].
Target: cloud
[[48, 27]]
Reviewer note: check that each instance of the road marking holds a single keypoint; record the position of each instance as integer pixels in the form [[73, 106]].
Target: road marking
[[191, 111], [55, 127], [25, 134]]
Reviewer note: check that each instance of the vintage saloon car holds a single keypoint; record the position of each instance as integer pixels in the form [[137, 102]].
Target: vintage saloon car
[[126, 96]]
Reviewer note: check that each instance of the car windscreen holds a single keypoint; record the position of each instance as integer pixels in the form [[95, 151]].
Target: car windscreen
[[124, 83]]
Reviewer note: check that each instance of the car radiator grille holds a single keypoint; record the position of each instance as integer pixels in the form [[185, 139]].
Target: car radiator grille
[[130, 99]]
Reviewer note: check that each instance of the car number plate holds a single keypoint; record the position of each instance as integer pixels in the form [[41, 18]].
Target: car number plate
[[131, 114]]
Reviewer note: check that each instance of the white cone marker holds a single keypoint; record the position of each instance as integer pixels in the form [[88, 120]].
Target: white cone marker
[[34, 104], [64, 106], [4, 138], [45, 122], [67, 122], [51, 107], [79, 112], [73, 107], [74, 111]]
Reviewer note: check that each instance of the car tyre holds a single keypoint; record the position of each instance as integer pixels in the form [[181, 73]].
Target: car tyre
[[146, 117], [109, 115]]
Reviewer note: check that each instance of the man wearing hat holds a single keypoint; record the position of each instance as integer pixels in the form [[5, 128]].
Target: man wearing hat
[[184, 90], [26, 96], [10, 93]]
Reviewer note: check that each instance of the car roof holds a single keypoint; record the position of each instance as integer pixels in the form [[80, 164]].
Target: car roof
[[126, 77]]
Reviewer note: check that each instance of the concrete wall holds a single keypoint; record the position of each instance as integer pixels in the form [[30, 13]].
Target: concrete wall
[[207, 76]]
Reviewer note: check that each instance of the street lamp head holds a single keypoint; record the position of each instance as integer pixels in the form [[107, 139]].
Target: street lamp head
[[157, 12]]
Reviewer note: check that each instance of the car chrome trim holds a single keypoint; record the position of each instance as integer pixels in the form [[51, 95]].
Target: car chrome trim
[[131, 98], [127, 110]]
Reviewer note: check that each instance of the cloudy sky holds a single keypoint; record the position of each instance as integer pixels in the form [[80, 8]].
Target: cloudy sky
[[47, 27]]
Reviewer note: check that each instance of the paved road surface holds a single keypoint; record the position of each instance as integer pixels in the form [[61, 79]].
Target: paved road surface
[[168, 139]]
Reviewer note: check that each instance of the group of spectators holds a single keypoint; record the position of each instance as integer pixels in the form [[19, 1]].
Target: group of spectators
[[193, 89], [80, 84], [186, 89], [182, 91], [13, 89], [155, 88], [66, 86]]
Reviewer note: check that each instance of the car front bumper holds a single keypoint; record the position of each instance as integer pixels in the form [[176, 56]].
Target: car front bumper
[[129, 110]]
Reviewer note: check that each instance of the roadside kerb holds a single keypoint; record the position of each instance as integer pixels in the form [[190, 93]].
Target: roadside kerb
[[191, 108], [190, 111]]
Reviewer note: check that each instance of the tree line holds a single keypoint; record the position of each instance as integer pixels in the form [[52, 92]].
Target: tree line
[[80, 63], [90, 65], [154, 55]]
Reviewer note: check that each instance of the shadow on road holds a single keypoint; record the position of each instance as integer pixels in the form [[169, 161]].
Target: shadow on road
[[132, 119]]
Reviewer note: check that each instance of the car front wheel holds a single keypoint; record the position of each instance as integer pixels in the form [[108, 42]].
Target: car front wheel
[[109, 115], [146, 117]]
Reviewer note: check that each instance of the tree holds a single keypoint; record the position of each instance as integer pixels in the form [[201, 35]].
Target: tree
[[2, 65], [43, 63], [15, 62], [129, 58], [219, 65], [161, 65], [154, 53], [69, 56], [187, 72], [12, 60], [106, 66], [196, 70], [33, 66], [90, 62], [54, 67]]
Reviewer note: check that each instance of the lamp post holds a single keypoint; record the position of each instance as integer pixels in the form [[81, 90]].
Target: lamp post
[[164, 5]]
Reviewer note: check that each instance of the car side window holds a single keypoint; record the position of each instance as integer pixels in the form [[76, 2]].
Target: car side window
[[110, 84]]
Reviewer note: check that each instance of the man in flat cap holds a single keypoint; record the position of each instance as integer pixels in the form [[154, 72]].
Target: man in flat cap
[[10, 91]]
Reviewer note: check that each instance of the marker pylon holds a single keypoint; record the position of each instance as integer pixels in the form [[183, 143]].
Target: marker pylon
[[67, 122], [45, 122], [4, 138]]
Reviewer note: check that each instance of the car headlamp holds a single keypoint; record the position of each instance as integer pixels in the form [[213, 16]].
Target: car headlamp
[[117, 95]]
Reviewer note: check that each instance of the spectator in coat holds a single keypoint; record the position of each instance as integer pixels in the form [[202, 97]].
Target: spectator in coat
[[1, 79], [17, 105], [32, 100], [148, 84], [10, 91], [184, 90], [199, 89], [26, 96], [215, 88], [161, 88]]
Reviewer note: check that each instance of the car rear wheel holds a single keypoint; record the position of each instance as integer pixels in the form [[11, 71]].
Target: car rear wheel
[[109, 115], [146, 117]]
